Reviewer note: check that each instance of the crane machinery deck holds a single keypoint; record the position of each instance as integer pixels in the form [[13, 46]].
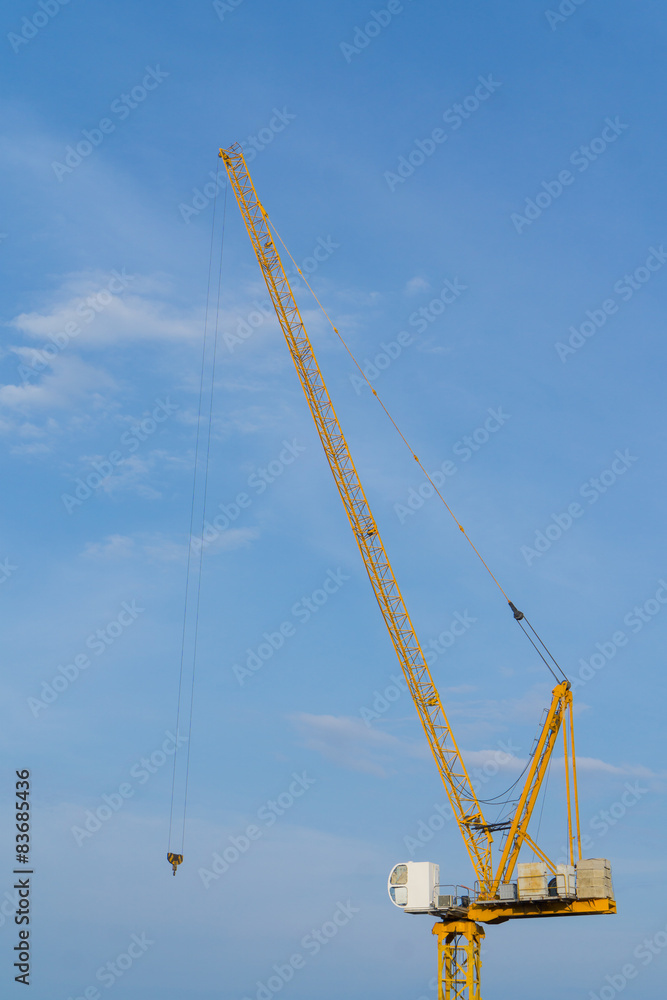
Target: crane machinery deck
[[542, 888]]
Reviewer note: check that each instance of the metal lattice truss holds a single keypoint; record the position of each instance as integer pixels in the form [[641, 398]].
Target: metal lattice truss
[[452, 769], [459, 960], [561, 703]]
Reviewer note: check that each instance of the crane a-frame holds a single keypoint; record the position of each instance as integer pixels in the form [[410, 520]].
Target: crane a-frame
[[544, 889]]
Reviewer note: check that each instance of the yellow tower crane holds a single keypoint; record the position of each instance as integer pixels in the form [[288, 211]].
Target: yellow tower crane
[[543, 889]]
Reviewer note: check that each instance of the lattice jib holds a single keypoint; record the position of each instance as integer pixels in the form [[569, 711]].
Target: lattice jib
[[410, 655]]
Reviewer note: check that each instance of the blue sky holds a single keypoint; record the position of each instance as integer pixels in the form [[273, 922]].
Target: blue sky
[[541, 201]]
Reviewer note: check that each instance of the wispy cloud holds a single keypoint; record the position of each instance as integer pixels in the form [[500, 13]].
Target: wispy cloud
[[113, 547], [594, 765], [349, 743], [416, 284], [160, 548], [70, 397], [138, 310], [69, 381]]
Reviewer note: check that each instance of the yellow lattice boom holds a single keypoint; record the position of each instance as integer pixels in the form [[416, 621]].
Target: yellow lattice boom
[[463, 800]]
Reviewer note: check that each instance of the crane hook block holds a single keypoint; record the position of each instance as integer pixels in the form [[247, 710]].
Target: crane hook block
[[175, 860], [517, 614]]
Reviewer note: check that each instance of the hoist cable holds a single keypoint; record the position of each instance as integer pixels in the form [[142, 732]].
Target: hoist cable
[[517, 615], [203, 514], [192, 507]]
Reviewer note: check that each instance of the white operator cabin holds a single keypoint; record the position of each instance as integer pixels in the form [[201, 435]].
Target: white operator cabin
[[412, 886]]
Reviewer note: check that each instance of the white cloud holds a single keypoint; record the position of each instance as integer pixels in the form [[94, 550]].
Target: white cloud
[[35, 448], [159, 548], [155, 547], [593, 764], [113, 547], [131, 475], [108, 308], [416, 284], [350, 743], [71, 396], [232, 538], [69, 381]]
